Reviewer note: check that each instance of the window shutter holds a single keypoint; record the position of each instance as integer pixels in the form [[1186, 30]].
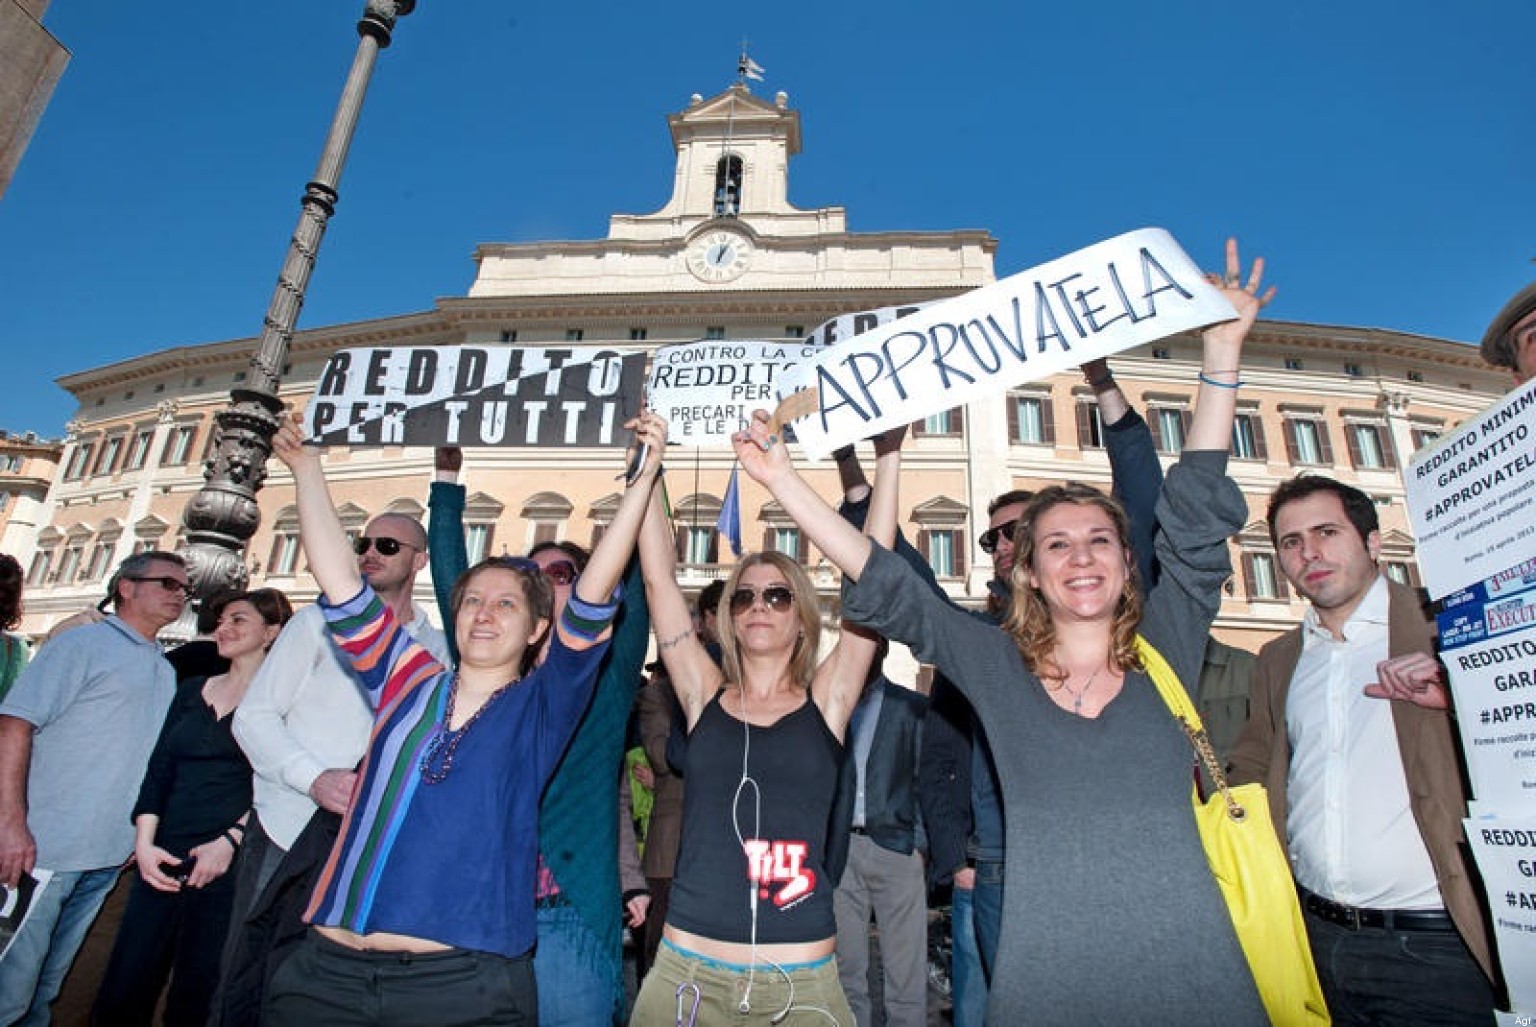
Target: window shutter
[[957, 545], [1323, 444], [680, 537], [768, 538], [1290, 441], [1352, 441], [1260, 451], [1248, 585], [1085, 425], [1013, 419], [1048, 421], [1186, 418], [1388, 449], [1153, 423], [714, 547], [957, 424], [923, 545]]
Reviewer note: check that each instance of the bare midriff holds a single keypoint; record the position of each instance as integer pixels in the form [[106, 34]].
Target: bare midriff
[[746, 955], [380, 941]]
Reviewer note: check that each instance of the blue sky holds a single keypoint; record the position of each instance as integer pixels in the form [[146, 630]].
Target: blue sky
[[1378, 152]]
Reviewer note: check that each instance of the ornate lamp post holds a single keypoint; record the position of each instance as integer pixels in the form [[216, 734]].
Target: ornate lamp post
[[223, 516]]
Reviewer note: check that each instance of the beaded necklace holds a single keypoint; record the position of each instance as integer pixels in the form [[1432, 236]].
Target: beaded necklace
[[445, 742]]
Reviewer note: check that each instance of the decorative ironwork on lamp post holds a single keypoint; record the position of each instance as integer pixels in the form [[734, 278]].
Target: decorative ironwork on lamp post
[[223, 516]]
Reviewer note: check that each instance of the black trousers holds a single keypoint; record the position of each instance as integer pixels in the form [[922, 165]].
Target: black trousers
[[326, 983], [166, 934]]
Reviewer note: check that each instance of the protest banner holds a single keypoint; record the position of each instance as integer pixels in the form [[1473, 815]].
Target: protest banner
[[476, 396], [1470, 496], [707, 390], [1505, 850], [1110, 296], [1493, 685]]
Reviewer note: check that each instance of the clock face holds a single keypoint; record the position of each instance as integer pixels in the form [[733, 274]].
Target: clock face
[[719, 256]]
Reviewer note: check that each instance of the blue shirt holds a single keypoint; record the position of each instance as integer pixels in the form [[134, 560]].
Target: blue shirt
[[97, 696]]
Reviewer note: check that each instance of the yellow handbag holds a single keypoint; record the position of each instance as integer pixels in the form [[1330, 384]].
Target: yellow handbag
[[1250, 866]]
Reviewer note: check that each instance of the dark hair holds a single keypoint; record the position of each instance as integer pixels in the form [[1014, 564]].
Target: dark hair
[[10, 592], [578, 554], [1358, 506], [1009, 498], [269, 603], [709, 597], [135, 566], [537, 590]]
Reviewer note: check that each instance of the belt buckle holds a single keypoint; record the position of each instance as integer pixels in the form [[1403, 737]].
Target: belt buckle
[[1352, 918]]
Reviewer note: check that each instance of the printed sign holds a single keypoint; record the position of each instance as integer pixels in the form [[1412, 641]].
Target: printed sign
[[1493, 681], [708, 390], [1505, 850], [476, 396], [1126, 291], [1471, 495]]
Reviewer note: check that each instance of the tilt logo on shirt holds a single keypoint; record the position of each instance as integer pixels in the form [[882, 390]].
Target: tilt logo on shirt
[[780, 862]]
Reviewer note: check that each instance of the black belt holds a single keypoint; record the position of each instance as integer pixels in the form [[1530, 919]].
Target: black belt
[[1354, 918]]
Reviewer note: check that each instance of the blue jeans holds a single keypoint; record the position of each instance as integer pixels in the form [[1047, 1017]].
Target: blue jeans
[[968, 983], [577, 984], [988, 901], [34, 966]]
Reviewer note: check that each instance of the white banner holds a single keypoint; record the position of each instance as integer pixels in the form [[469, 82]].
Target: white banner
[[1123, 292], [476, 396], [1493, 682], [1470, 496], [1505, 851], [707, 390]]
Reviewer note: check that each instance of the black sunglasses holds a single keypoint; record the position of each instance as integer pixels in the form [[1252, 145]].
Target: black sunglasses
[[385, 545], [170, 584], [990, 537], [777, 598]]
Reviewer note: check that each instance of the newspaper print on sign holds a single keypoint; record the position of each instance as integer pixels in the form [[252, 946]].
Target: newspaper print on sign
[[1123, 292], [476, 396]]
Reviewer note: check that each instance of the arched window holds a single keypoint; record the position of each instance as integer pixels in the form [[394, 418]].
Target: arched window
[[728, 187]]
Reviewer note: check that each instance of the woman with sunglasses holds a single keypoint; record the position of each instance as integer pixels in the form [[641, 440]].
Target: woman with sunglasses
[[424, 912], [585, 842], [189, 822], [750, 933], [1110, 914]]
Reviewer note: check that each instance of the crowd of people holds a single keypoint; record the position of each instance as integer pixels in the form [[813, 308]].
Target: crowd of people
[[347, 816]]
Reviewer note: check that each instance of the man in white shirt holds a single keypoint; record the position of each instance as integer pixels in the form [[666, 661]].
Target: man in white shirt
[[305, 722], [1350, 732]]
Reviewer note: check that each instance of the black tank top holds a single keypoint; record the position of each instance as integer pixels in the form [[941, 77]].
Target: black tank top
[[780, 867]]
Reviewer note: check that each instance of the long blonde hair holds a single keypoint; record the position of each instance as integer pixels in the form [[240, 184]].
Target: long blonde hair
[[1029, 620], [802, 665]]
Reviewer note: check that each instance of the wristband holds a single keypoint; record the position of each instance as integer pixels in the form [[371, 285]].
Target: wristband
[[231, 840], [1102, 383], [840, 455], [1206, 379]]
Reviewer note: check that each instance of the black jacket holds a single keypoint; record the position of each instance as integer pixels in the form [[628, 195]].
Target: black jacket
[[890, 788]]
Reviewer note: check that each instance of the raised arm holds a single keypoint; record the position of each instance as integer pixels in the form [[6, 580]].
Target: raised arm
[[613, 551], [695, 677], [1220, 366], [320, 532], [446, 549]]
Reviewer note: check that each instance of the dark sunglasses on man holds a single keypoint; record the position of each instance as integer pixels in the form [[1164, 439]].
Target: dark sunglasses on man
[[777, 598], [385, 545], [170, 584], [991, 536]]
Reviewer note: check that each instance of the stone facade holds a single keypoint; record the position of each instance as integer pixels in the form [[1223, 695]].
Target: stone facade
[[728, 257]]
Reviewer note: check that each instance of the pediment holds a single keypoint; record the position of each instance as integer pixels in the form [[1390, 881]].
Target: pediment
[[940, 510], [547, 506], [150, 527], [482, 506]]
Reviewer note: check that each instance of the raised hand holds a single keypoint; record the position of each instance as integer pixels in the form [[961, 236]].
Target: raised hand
[[761, 452], [1245, 299], [288, 444]]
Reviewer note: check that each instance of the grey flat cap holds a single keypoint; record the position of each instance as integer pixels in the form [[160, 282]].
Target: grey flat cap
[[1498, 347]]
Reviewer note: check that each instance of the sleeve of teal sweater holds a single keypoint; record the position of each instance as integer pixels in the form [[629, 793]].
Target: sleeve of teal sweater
[[447, 554]]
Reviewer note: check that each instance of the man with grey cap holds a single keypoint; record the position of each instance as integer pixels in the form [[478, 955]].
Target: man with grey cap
[[1511, 339]]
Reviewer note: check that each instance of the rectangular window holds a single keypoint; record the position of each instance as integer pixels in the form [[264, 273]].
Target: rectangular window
[[1369, 449], [946, 422], [1167, 424], [101, 558], [795, 331], [1030, 420], [1424, 436], [1247, 437], [1306, 441], [107, 462], [477, 541], [1090, 425], [1402, 572], [80, 461], [1293, 364], [1261, 578], [178, 445], [786, 539], [1354, 370], [285, 554], [42, 563], [139, 451], [943, 549], [637, 334], [509, 335], [715, 332], [574, 334], [69, 565], [699, 544]]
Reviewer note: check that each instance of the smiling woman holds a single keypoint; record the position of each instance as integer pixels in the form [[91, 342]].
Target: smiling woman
[[452, 777]]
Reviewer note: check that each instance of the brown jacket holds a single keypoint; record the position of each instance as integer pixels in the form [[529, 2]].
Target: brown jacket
[[656, 706], [1431, 762]]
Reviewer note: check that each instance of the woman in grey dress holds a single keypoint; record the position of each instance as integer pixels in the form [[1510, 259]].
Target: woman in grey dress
[[1110, 912]]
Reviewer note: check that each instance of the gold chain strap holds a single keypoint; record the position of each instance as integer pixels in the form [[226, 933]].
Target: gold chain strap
[[1202, 743]]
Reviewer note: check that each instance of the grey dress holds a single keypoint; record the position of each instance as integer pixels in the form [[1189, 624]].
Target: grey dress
[[1110, 912]]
